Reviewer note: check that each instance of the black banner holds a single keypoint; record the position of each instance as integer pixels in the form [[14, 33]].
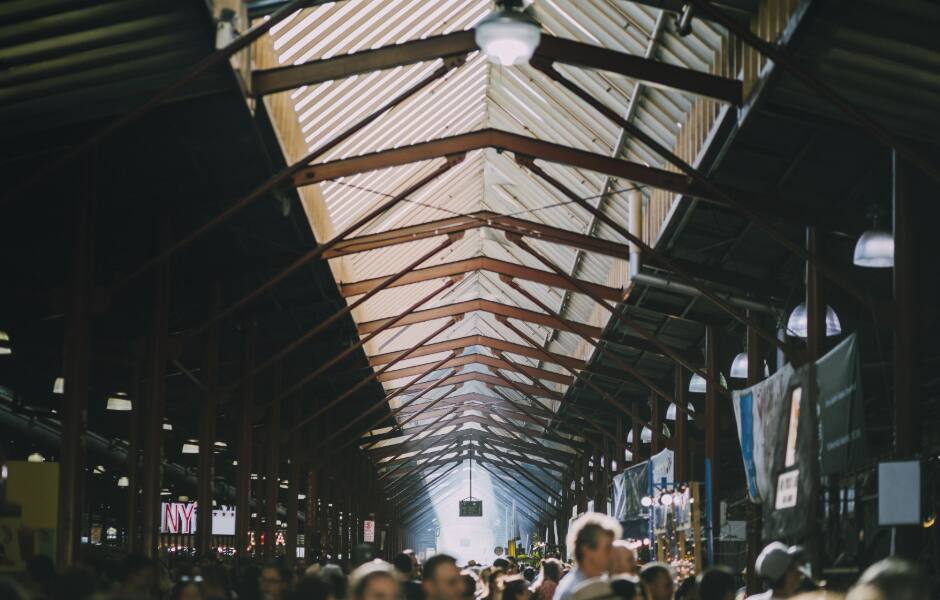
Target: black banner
[[841, 409]]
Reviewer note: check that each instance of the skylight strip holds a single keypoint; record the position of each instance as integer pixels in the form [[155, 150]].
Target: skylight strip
[[326, 24], [350, 18], [316, 14], [284, 23], [367, 26]]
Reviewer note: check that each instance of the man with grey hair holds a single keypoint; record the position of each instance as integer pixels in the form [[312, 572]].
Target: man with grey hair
[[591, 539]]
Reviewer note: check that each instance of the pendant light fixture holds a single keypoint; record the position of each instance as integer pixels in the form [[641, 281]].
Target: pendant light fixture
[[698, 385], [5, 346], [35, 457], [739, 367], [123, 482], [190, 447], [508, 36], [874, 248], [797, 323], [120, 402], [58, 387]]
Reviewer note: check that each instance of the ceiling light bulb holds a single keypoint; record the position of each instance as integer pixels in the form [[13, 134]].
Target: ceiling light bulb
[[190, 447], [671, 412], [646, 501], [665, 499], [123, 482], [875, 249], [59, 386], [508, 36], [36, 457]]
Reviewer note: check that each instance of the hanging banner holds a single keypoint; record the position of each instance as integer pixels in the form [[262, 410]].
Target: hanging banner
[[790, 508], [841, 409], [758, 410], [368, 531], [181, 518]]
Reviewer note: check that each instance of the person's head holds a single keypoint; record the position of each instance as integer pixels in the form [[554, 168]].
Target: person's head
[[890, 579], [716, 583], [514, 587], [137, 574], [188, 588], [592, 537], [551, 569], [215, 582], [687, 590], [274, 581], [779, 566], [333, 575], [513, 565], [441, 578], [469, 581], [657, 578], [501, 563], [312, 588], [622, 559], [405, 564], [498, 550], [374, 580], [529, 574]]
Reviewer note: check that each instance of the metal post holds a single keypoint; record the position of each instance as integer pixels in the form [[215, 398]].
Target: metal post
[[909, 187], [711, 422], [293, 487], [636, 429], [656, 423], [312, 523], [77, 350], [155, 409], [682, 448], [133, 454], [207, 432], [272, 469], [755, 372], [246, 424]]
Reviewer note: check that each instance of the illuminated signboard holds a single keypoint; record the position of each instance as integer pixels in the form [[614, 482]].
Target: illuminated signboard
[[180, 517]]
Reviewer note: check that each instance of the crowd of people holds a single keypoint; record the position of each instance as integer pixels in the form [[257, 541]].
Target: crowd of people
[[604, 567]]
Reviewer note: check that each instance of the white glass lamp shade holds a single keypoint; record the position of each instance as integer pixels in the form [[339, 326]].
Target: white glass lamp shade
[[797, 323], [59, 386], [35, 457], [671, 412], [739, 366], [508, 37], [124, 482], [167, 426], [120, 402], [698, 385], [190, 447], [5, 347], [875, 249]]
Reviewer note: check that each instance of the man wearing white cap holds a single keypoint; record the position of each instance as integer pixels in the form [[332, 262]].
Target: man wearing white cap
[[779, 566]]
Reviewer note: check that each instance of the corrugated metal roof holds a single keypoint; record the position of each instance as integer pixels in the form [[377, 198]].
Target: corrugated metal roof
[[473, 96]]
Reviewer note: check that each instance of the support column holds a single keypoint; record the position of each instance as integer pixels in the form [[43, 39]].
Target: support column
[[312, 535], [272, 469], [681, 435], [133, 453], [207, 428], [711, 422], [152, 430], [246, 424], [815, 302], [637, 430], [77, 350], [909, 186], [656, 423], [293, 486], [755, 368]]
